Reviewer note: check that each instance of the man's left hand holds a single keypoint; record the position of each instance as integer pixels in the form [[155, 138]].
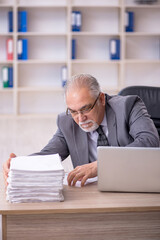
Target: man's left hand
[[82, 173]]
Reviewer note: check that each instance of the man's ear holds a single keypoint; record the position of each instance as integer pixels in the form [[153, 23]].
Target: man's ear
[[102, 98]]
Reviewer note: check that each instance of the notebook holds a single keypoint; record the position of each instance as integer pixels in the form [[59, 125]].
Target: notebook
[[125, 169]]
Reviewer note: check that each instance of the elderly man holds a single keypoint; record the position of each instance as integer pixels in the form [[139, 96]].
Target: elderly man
[[94, 118]]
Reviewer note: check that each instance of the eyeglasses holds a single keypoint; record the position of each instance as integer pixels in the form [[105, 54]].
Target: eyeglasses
[[83, 110]]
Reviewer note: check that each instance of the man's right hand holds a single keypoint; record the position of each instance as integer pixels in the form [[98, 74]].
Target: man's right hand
[[6, 167]]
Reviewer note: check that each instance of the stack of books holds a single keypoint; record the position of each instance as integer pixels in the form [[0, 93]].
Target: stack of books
[[35, 179]]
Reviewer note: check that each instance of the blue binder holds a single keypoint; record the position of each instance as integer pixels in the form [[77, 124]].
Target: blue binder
[[73, 48], [114, 47], [22, 21], [10, 77], [19, 21], [10, 21], [76, 21], [23, 49], [129, 21], [64, 75]]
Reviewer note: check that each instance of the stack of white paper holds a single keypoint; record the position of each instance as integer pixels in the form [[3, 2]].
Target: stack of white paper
[[35, 179]]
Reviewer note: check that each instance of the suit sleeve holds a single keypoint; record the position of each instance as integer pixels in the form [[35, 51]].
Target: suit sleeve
[[141, 127]]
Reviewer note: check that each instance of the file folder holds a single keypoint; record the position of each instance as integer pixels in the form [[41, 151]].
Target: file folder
[[22, 21], [73, 48], [5, 77], [22, 47], [25, 49], [10, 49], [10, 77], [76, 21], [64, 75], [129, 21], [114, 49], [10, 21]]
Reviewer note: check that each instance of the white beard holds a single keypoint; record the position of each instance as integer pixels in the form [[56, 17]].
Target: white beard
[[89, 129]]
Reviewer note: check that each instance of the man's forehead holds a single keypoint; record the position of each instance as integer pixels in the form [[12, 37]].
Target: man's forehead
[[78, 99]]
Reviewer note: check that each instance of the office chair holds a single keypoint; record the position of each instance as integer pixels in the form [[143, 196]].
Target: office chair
[[151, 98]]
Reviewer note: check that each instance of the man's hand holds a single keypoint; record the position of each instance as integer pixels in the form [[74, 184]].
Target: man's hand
[[6, 167], [82, 173]]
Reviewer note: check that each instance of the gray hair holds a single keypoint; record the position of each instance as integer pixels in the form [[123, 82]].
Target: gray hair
[[84, 80]]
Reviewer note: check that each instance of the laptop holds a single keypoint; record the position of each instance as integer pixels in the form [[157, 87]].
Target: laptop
[[123, 169]]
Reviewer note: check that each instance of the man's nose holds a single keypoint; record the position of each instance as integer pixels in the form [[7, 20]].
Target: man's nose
[[81, 117]]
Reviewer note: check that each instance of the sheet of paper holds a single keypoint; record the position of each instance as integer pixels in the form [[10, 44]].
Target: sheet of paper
[[37, 163]]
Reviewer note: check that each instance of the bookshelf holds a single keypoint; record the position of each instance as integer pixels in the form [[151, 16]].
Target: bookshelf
[[37, 82]]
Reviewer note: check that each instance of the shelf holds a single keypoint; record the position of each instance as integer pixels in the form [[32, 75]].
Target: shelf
[[84, 61], [143, 6], [138, 61], [141, 34], [38, 82], [41, 62], [103, 34], [41, 34], [6, 90], [40, 89]]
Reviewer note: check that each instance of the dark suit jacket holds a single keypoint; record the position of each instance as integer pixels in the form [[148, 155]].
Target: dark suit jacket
[[128, 125]]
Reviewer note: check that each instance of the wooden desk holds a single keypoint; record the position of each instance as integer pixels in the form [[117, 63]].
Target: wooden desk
[[85, 214]]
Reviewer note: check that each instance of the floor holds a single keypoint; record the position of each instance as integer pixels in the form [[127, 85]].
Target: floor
[[24, 136]]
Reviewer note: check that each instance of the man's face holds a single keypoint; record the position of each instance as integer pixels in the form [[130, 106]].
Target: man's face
[[78, 100]]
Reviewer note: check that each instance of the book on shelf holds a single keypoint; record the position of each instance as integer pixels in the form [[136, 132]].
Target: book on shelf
[[114, 49], [10, 49], [76, 21], [10, 21], [22, 21], [7, 77], [129, 21], [73, 48], [64, 75], [22, 49]]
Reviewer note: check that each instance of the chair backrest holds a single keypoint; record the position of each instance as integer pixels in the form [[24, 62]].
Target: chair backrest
[[151, 98]]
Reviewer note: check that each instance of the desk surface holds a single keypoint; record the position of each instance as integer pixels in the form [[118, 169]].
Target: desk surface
[[84, 200]]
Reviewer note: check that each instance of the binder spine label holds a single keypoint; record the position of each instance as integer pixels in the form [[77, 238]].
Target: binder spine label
[[5, 74], [10, 46], [113, 47]]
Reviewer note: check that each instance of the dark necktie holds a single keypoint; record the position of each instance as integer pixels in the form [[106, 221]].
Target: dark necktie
[[102, 139]]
